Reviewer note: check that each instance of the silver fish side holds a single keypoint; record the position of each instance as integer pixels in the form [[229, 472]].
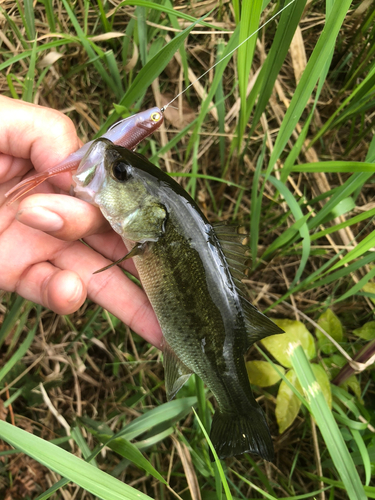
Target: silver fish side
[[184, 266]]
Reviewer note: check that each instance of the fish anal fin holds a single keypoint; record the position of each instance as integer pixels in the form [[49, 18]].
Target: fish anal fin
[[176, 372], [258, 326]]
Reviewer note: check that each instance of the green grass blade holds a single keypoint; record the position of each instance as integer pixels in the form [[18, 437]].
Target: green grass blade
[[356, 181], [298, 215], [28, 85], [362, 247], [148, 73], [30, 19], [140, 14], [357, 91], [256, 206], [64, 463], [327, 424], [19, 354], [27, 53], [262, 90], [90, 52], [250, 16], [121, 446], [167, 412], [48, 4], [169, 11], [194, 140], [11, 318], [358, 286], [113, 70], [224, 481], [364, 455], [310, 76], [80, 441], [286, 236], [335, 166]]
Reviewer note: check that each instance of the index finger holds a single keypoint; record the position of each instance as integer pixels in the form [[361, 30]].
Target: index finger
[[30, 132]]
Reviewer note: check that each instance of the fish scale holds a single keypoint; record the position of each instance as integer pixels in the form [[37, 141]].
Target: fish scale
[[184, 267]]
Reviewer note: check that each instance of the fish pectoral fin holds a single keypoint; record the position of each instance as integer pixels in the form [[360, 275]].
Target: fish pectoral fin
[[137, 250], [258, 326], [176, 372]]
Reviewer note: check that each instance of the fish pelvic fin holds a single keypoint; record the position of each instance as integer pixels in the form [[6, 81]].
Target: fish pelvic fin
[[176, 372], [234, 434]]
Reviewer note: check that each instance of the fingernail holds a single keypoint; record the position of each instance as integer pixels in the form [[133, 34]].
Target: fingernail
[[40, 218]]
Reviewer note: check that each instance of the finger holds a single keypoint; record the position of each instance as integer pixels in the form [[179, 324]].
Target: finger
[[61, 216], [43, 135], [70, 219], [60, 290], [112, 290]]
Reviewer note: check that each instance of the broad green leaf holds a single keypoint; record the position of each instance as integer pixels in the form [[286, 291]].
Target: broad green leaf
[[262, 373], [332, 325], [367, 331], [322, 377], [295, 331], [287, 403], [333, 364]]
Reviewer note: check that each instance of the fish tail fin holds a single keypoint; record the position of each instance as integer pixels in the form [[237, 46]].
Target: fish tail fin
[[234, 434]]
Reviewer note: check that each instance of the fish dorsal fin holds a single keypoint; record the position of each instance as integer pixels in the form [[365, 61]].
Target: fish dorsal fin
[[176, 373], [233, 241]]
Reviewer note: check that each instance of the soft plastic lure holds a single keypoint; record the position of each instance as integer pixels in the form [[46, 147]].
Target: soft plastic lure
[[127, 133]]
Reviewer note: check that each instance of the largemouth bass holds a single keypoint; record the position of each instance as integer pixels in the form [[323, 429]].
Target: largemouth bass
[[191, 272]]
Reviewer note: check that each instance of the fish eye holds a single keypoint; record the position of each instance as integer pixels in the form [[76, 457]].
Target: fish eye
[[155, 117], [120, 171]]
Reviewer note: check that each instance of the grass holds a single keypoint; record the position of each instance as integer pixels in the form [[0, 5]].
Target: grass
[[291, 157]]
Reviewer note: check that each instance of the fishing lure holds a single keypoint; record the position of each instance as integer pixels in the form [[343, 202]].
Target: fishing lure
[[127, 133]]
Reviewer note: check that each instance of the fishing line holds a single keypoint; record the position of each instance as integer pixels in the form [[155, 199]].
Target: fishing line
[[229, 54]]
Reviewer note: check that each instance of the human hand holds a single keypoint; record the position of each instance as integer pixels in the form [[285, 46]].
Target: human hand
[[41, 258]]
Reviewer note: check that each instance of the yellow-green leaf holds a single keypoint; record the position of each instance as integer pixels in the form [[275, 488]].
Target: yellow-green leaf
[[367, 331], [322, 377], [353, 384], [332, 325], [370, 288], [287, 403], [263, 373], [295, 331], [333, 364]]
